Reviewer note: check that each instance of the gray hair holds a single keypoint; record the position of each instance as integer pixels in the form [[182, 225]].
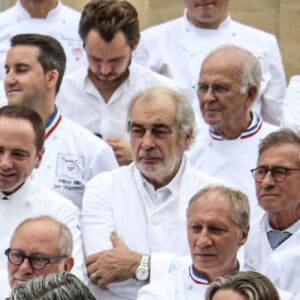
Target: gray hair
[[251, 69], [280, 137], [252, 285], [185, 118], [54, 286], [239, 202], [65, 243]]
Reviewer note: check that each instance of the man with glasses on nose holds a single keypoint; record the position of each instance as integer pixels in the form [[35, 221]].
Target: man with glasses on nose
[[277, 181], [227, 88], [39, 246]]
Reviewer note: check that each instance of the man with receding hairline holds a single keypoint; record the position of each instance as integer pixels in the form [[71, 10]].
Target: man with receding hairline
[[34, 243]]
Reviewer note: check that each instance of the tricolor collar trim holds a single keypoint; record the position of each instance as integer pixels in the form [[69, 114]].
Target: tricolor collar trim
[[254, 127], [199, 279], [53, 122]]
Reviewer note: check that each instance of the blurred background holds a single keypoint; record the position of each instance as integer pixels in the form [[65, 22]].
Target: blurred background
[[280, 17]]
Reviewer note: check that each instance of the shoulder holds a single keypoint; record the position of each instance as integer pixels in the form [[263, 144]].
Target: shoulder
[[140, 73]]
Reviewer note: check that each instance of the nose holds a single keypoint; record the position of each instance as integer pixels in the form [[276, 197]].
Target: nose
[[5, 161], [268, 181], [207, 96], [25, 266], [203, 239], [105, 68], [147, 140], [9, 79]]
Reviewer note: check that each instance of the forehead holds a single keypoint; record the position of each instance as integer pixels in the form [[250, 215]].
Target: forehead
[[158, 110], [37, 237], [222, 65], [213, 205], [286, 155], [96, 46], [23, 54], [16, 128]]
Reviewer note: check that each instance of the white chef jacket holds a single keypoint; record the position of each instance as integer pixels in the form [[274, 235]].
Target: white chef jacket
[[231, 160], [258, 249], [28, 201], [61, 23], [80, 100], [119, 201], [183, 285], [177, 285], [181, 48], [73, 155], [283, 269], [291, 104]]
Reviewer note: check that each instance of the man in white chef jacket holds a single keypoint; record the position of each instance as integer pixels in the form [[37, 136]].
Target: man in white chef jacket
[[49, 17], [34, 70], [217, 226], [133, 218], [277, 178], [98, 95], [227, 89], [21, 150], [183, 44]]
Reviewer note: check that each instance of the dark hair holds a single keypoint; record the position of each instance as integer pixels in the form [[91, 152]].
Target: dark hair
[[250, 284], [52, 55], [280, 137], [58, 286], [108, 17], [26, 113]]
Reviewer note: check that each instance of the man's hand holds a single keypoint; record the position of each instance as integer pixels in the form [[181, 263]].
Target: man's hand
[[122, 150], [113, 265]]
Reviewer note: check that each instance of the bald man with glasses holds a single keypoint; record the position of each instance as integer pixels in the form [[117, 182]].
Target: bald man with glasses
[[277, 179], [39, 246]]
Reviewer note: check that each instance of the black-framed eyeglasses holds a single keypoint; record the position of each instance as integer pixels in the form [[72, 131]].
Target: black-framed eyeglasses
[[37, 261], [279, 174]]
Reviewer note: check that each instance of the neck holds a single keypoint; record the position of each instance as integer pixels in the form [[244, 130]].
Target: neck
[[234, 129], [207, 24], [39, 9], [283, 220]]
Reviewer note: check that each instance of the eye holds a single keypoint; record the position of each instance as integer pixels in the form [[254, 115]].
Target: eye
[[221, 88], [195, 228], [202, 88], [137, 131], [20, 155], [160, 132]]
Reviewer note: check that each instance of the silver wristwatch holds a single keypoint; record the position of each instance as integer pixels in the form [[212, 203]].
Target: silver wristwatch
[[143, 271]]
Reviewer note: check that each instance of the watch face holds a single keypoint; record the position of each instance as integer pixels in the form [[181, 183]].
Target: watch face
[[142, 274]]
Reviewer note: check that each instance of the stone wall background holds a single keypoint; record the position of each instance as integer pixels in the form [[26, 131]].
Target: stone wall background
[[280, 17]]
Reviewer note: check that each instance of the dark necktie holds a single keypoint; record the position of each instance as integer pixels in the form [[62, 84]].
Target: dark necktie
[[277, 237]]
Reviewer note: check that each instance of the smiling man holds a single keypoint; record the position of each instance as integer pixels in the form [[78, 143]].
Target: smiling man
[[277, 178], [217, 225], [21, 150], [184, 43], [145, 202]]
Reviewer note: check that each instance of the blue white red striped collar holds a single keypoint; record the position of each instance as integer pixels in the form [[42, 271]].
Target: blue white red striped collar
[[254, 127], [53, 122], [199, 279]]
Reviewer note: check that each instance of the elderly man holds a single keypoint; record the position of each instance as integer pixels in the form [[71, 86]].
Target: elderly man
[[184, 43], [227, 88], [39, 246], [35, 67], [21, 150], [217, 225], [277, 178], [145, 202], [97, 97], [44, 17]]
